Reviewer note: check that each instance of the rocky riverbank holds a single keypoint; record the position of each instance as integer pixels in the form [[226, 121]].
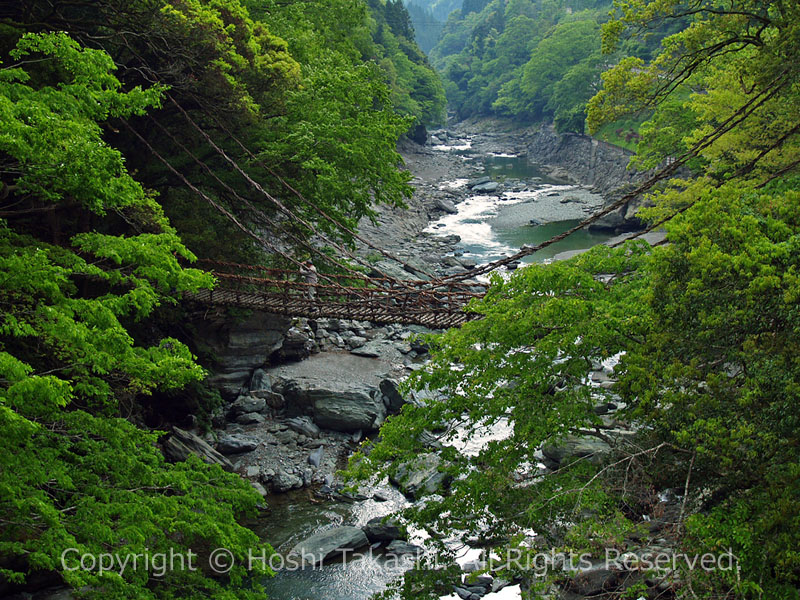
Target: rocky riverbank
[[301, 394], [571, 157]]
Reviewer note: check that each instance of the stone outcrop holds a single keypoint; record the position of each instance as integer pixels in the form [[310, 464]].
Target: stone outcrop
[[329, 544], [180, 444], [239, 347], [236, 443], [588, 161], [383, 529], [339, 391], [593, 163]]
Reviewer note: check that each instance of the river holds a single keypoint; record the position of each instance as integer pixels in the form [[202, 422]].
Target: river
[[531, 209], [535, 209]]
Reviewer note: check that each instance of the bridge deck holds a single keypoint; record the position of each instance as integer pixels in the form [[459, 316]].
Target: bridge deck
[[378, 301]]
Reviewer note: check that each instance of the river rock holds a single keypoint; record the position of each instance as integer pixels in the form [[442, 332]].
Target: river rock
[[303, 425], [260, 381], [369, 350], [445, 205], [250, 418], [383, 529], [296, 345], [468, 263], [284, 481], [356, 341], [272, 399], [259, 488], [330, 543], [180, 444], [479, 181], [465, 594], [338, 390], [248, 404], [236, 443], [419, 476], [394, 399], [486, 188], [315, 458], [349, 411], [574, 447], [400, 548]]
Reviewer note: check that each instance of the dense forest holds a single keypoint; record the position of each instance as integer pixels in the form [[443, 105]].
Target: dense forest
[[139, 135], [427, 28], [705, 326], [132, 137], [531, 60]]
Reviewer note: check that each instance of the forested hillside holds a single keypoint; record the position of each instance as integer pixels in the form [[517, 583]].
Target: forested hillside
[[689, 447], [531, 59], [135, 136], [427, 27]]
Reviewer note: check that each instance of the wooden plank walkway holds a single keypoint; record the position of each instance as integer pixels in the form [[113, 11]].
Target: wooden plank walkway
[[385, 302]]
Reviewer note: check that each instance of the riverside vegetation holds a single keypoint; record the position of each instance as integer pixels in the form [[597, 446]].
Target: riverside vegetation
[[707, 329], [96, 232]]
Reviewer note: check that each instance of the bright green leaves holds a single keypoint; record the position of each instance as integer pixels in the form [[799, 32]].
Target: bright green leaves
[[522, 367], [73, 475], [52, 131], [34, 394], [569, 44], [708, 325], [228, 56], [532, 60], [101, 486], [83, 338]]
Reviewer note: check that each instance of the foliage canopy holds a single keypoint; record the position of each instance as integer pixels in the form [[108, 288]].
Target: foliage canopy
[[706, 328]]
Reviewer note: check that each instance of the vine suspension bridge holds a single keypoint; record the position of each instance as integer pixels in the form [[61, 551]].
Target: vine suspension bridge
[[380, 300], [348, 293]]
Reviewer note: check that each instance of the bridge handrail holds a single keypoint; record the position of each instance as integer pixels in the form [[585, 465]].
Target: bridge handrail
[[417, 296], [334, 276]]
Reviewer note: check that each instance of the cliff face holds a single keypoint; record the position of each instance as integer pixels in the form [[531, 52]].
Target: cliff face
[[589, 162]]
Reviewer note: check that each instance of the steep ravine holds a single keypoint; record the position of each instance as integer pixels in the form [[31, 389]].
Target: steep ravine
[[302, 393]]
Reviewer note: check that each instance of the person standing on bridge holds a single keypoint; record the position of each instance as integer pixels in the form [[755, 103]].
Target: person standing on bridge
[[309, 273]]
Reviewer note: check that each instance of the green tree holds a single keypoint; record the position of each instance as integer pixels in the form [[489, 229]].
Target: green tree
[[707, 324], [567, 45], [74, 473]]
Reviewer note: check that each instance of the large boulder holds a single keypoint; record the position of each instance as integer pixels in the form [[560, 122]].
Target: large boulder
[[297, 345], [370, 349], [394, 399], [573, 448], [348, 411], [479, 181], [236, 443], [419, 476], [303, 425], [329, 544], [383, 529], [337, 390], [400, 548], [239, 346], [445, 205], [180, 444], [247, 404], [486, 188], [284, 481]]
